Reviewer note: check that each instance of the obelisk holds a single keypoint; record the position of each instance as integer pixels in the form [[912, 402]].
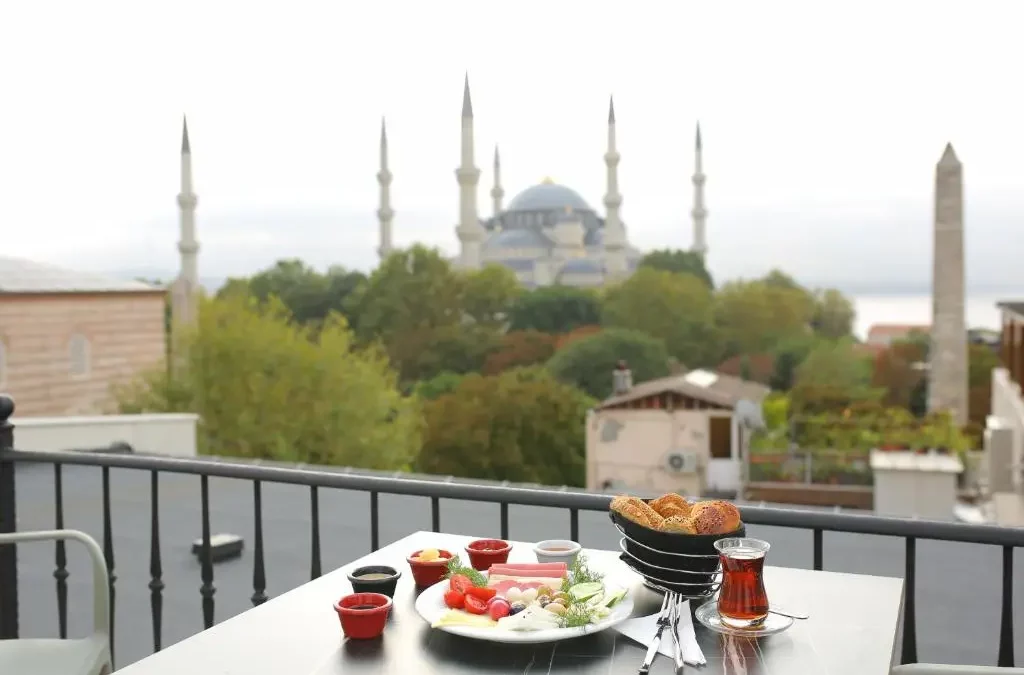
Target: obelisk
[[947, 380]]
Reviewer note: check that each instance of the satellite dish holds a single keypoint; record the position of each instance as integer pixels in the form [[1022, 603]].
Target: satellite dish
[[748, 414]]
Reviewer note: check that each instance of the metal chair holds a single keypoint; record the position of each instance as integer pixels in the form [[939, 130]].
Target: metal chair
[[85, 656], [937, 669]]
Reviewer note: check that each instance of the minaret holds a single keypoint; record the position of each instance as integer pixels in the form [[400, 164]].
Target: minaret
[[469, 230], [384, 213], [947, 378], [699, 213], [614, 231], [497, 192], [184, 293]]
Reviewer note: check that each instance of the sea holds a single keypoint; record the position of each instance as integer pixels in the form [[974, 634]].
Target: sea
[[981, 310]]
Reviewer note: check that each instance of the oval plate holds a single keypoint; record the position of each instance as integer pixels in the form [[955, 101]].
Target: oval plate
[[708, 615], [430, 605]]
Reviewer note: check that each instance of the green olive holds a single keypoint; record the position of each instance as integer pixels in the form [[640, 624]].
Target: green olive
[[556, 608]]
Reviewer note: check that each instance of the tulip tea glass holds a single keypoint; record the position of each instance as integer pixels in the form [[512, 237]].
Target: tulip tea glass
[[742, 601]]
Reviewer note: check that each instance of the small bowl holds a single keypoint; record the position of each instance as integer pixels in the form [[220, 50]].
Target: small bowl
[[557, 551], [426, 574], [363, 615], [486, 552], [385, 585]]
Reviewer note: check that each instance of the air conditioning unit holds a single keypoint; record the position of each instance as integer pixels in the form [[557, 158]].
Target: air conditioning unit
[[681, 462]]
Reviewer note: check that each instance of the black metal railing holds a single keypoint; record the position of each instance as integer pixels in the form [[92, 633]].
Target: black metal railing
[[818, 522]]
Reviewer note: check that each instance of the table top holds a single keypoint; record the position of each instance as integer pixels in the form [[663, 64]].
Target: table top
[[852, 629]]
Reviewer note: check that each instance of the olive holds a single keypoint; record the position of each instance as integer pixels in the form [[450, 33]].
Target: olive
[[560, 596], [515, 608], [556, 608]]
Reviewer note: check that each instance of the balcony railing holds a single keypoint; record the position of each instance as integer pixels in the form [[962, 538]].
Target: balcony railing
[[818, 522]]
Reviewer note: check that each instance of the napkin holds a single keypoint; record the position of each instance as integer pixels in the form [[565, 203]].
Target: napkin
[[642, 628]]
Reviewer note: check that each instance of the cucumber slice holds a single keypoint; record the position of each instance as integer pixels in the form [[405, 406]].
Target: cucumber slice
[[585, 591]]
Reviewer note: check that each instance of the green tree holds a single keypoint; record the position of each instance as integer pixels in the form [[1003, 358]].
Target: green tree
[[265, 386], [437, 386], [555, 309], [412, 303], [489, 295], [309, 295], [680, 262], [755, 316], [788, 357], [587, 363], [518, 426], [832, 377], [675, 308], [776, 278], [833, 314]]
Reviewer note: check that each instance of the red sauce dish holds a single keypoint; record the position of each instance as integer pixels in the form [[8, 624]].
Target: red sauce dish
[[363, 615], [486, 552], [428, 572]]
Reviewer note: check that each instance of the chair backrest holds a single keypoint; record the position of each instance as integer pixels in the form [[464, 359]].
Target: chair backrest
[[100, 581]]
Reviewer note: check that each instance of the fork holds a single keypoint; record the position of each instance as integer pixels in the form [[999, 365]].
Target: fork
[[676, 603], [664, 622]]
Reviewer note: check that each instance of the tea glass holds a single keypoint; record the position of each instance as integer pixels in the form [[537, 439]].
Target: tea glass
[[742, 600]]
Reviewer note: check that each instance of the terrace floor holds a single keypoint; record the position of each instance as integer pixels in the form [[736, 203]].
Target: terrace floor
[[958, 584]]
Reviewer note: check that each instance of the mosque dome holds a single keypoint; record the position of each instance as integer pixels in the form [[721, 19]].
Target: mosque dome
[[548, 196]]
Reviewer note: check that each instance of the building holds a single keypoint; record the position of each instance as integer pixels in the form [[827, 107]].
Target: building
[[682, 433], [1004, 434], [548, 234], [66, 337], [884, 334]]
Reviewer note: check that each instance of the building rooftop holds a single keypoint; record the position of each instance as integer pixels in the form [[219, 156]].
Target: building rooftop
[[27, 276], [1013, 307], [703, 385]]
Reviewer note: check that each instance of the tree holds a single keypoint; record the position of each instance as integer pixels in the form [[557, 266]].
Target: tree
[[675, 308], [412, 304], [898, 371], [788, 356], [588, 363], [520, 426], [437, 386], [309, 295], [833, 314], [833, 376], [520, 348], [555, 309], [680, 262], [981, 359], [755, 316], [489, 294], [265, 386]]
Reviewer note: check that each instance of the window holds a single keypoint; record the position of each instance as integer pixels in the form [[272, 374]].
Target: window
[[78, 349]]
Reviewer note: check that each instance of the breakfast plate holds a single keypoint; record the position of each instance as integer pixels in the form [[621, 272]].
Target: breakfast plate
[[431, 605]]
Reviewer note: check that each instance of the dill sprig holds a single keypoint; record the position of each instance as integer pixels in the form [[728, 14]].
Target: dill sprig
[[577, 615], [455, 566], [580, 573]]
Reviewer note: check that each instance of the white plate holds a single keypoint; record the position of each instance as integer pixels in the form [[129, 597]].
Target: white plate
[[708, 615], [430, 605]]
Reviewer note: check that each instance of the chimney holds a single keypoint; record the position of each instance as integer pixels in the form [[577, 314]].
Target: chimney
[[622, 379]]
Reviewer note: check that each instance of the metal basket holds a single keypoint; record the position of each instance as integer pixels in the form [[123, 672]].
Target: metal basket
[[659, 574]]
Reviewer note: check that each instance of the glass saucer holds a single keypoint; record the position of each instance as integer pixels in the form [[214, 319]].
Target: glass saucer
[[708, 615]]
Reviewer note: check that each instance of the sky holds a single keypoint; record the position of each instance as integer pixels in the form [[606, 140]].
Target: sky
[[822, 123]]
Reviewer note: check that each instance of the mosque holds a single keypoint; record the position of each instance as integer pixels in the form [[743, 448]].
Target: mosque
[[548, 234]]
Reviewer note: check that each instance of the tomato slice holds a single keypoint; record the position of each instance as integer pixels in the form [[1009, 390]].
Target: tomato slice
[[454, 599], [475, 605], [482, 593], [460, 583]]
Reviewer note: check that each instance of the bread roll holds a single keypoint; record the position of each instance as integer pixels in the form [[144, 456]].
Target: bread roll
[[636, 510], [671, 504], [708, 518], [731, 515], [678, 524]]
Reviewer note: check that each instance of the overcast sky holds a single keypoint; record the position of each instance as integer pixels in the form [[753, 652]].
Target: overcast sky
[[822, 124]]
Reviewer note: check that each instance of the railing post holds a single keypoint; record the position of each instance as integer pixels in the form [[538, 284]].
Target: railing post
[[8, 524]]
